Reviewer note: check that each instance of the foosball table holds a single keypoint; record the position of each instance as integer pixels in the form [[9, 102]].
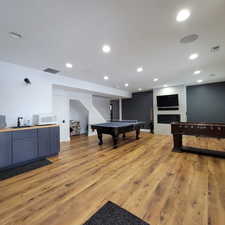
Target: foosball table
[[215, 130]]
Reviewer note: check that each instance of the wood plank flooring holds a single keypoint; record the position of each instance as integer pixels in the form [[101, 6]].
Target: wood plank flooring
[[142, 176]]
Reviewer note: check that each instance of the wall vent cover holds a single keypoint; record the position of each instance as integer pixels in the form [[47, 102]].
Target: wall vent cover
[[189, 39], [50, 70]]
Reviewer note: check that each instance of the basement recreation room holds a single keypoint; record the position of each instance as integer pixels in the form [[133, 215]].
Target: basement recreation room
[[112, 112]]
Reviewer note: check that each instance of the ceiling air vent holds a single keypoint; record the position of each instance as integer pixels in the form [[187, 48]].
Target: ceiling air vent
[[50, 70], [189, 39]]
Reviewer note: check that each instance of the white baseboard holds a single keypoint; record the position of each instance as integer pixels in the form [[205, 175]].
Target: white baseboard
[[65, 140], [145, 130], [92, 133]]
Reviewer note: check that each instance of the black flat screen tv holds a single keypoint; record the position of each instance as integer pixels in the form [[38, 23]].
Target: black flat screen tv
[[167, 101]]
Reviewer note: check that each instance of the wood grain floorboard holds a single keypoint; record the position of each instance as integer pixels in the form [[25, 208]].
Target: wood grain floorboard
[[143, 176]]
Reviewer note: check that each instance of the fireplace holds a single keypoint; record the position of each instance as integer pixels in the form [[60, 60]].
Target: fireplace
[[168, 118]]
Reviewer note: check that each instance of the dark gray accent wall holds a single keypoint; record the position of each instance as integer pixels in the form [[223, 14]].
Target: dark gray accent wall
[[206, 103], [139, 107]]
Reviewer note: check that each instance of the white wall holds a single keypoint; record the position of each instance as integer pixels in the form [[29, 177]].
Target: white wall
[[85, 99], [102, 104], [79, 113], [18, 99], [61, 109], [89, 87], [181, 91]]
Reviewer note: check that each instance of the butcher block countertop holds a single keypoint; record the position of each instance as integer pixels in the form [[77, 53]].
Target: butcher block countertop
[[26, 128]]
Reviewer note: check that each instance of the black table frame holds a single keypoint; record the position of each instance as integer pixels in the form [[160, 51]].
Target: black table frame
[[116, 131], [200, 130]]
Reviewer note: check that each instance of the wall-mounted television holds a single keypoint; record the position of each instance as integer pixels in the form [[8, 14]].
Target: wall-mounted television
[[167, 101]]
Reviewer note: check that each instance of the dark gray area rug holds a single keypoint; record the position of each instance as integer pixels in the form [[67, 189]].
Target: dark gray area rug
[[112, 214], [22, 169]]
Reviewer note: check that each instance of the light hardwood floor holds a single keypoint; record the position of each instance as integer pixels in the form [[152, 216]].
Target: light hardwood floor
[[144, 177]]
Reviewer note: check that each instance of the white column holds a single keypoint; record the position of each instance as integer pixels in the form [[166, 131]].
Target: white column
[[120, 109]]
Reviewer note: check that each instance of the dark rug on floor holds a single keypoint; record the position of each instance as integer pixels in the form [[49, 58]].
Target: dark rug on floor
[[112, 214], [22, 169]]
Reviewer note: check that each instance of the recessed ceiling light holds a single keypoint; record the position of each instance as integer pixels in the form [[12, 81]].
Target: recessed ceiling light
[[106, 77], [140, 69], [15, 35], [193, 56], [197, 72], [183, 15], [165, 85], [106, 49], [69, 65], [199, 81], [139, 89], [126, 85], [155, 79]]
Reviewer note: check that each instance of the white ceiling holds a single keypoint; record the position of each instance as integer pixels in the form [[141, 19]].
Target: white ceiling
[[140, 33]]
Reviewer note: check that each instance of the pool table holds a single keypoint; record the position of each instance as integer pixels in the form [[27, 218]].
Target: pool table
[[115, 128]]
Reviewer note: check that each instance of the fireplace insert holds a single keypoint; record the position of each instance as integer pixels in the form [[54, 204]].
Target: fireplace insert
[[168, 118]]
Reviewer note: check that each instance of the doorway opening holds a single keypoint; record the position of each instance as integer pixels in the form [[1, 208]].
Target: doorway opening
[[78, 118]]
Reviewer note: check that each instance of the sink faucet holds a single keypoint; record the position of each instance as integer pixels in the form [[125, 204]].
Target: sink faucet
[[19, 121]]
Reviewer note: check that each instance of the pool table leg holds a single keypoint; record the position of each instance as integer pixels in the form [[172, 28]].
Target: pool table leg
[[100, 137], [124, 135], [137, 133], [115, 140]]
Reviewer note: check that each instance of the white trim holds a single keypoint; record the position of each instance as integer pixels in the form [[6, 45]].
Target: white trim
[[120, 109], [145, 130], [65, 140], [92, 133]]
